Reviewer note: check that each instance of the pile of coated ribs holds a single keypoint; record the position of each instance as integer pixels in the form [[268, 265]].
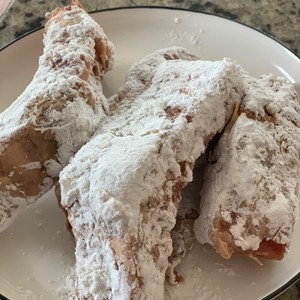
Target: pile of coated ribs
[[124, 165]]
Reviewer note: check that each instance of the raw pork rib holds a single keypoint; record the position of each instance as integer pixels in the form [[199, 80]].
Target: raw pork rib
[[122, 189], [58, 111], [249, 201]]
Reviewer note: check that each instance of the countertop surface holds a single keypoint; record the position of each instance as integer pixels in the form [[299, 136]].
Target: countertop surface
[[279, 19]]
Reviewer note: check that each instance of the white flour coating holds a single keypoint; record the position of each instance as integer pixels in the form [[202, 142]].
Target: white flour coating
[[32, 165], [192, 37], [253, 183], [122, 189], [142, 71], [226, 270], [62, 106]]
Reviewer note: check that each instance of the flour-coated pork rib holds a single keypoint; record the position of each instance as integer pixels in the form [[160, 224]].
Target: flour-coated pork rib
[[249, 201], [122, 189], [58, 111]]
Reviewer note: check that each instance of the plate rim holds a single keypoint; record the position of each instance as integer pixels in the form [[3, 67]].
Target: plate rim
[[295, 278], [163, 8], [283, 288]]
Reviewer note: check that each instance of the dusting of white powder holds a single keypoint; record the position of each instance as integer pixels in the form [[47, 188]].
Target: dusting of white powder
[[32, 165], [225, 270], [191, 37], [27, 293], [124, 166], [203, 289]]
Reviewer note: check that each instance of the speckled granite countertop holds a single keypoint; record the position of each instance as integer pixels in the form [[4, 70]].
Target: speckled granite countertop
[[278, 18]]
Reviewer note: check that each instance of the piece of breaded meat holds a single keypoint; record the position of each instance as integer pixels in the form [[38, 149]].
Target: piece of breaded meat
[[57, 113], [122, 189], [250, 198]]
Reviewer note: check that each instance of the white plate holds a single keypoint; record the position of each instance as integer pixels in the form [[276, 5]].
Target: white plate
[[36, 251]]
